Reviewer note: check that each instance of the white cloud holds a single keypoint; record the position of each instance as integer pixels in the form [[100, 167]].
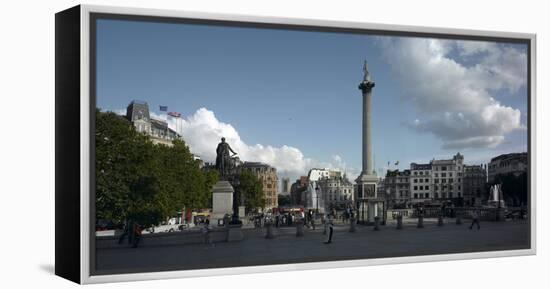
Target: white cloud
[[202, 132], [454, 99]]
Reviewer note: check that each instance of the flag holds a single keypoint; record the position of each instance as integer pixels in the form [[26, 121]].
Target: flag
[[163, 108], [388, 163], [396, 163], [174, 114]]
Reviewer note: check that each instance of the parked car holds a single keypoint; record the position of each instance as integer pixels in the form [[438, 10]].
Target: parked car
[[171, 225]]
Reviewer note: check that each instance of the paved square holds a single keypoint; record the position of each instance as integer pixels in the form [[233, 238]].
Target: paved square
[[286, 248]]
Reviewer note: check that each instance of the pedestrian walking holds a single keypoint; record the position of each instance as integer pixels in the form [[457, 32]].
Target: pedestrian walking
[[136, 234], [126, 233], [312, 220], [330, 230], [205, 230], [475, 218]]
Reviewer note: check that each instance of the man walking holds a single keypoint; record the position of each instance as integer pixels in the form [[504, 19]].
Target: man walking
[[136, 234], [127, 232], [475, 218], [330, 230], [206, 229]]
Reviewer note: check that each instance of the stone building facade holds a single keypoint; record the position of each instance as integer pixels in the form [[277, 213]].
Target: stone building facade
[[138, 114], [421, 183], [474, 185], [447, 178], [397, 187], [336, 190], [515, 163], [268, 176]]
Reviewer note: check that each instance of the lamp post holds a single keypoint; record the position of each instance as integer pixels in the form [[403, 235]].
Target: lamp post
[[498, 199], [317, 197]]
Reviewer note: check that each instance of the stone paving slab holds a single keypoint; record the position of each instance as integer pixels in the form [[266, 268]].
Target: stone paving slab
[[286, 248]]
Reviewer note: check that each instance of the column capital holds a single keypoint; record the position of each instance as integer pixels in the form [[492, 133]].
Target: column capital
[[366, 85]]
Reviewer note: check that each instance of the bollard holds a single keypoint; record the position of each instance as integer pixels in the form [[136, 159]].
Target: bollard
[[420, 222], [352, 225], [299, 228], [458, 219], [399, 222], [377, 223], [440, 220], [269, 234]]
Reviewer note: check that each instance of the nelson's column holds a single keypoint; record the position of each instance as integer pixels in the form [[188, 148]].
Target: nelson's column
[[367, 201]]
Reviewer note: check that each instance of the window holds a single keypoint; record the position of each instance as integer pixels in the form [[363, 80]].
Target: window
[[427, 196], [436, 181], [416, 196], [450, 174], [415, 188], [421, 173], [436, 175], [450, 180], [421, 180], [443, 175], [436, 195], [415, 173], [443, 181], [415, 181], [427, 180], [436, 187]]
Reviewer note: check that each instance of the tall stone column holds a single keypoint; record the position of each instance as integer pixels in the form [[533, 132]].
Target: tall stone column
[[367, 181], [366, 87]]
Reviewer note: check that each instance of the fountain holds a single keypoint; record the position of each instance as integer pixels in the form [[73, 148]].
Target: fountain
[[495, 197]]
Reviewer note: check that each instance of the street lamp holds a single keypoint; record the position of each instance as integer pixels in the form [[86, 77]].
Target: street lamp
[[317, 197]]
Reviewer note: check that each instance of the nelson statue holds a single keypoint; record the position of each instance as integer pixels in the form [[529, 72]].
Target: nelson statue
[[224, 161]]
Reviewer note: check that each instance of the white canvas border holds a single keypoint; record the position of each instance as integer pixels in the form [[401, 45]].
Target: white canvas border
[[85, 272]]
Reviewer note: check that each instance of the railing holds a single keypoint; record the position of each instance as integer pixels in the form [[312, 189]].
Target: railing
[[487, 213]]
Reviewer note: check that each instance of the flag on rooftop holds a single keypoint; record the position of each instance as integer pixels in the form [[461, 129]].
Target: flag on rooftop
[[174, 114], [163, 108]]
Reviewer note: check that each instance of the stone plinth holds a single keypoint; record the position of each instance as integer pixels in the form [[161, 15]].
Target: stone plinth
[[222, 200]]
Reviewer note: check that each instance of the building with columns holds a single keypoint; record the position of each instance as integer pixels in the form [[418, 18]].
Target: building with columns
[[336, 190], [514, 163]]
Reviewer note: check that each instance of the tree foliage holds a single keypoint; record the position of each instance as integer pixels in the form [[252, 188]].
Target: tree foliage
[[251, 190], [283, 200], [514, 188], [141, 181]]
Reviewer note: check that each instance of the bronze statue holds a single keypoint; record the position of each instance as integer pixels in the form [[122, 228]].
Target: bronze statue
[[223, 159]]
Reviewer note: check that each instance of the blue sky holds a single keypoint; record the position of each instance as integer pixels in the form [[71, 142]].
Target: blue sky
[[280, 89]]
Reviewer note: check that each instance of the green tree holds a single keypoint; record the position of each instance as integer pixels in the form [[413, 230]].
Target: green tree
[[283, 200], [122, 160], [140, 181], [250, 188], [514, 188]]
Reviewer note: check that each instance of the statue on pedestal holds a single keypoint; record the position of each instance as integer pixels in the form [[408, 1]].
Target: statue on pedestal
[[224, 163]]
